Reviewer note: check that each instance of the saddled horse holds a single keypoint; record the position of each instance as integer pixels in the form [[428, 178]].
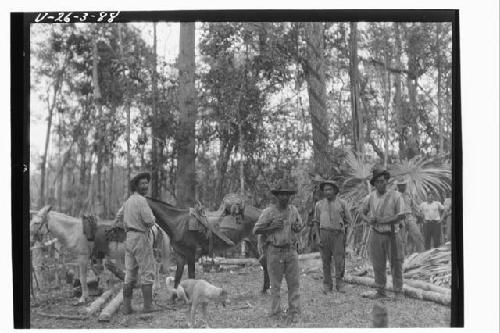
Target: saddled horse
[[190, 231], [71, 233]]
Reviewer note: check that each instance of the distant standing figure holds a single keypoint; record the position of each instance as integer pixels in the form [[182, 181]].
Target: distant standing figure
[[447, 218], [432, 226], [280, 223], [331, 218], [412, 236]]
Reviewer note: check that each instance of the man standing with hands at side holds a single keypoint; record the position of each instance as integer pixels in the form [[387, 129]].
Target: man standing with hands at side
[[139, 259], [279, 223], [331, 218], [384, 211]]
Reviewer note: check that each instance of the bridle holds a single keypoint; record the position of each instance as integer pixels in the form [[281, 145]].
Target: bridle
[[40, 226]]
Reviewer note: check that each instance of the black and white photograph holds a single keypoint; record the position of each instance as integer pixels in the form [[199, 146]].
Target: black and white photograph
[[272, 170]]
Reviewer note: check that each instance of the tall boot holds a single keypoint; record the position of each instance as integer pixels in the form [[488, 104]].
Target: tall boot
[[127, 298], [147, 294]]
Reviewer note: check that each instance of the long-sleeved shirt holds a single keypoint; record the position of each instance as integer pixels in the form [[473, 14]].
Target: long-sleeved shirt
[[292, 223], [431, 210], [332, 215], [389, 204], [136, 213]]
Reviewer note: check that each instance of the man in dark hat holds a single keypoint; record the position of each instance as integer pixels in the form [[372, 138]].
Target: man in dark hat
[[384, 210], [280, 222], [139, 260], [331, 217]]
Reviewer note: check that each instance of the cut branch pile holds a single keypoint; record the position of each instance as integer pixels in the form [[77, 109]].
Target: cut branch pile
[[432, 266]]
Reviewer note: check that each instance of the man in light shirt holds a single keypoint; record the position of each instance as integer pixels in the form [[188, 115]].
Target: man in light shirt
[[430, 209], [138, 219], [331, 218]]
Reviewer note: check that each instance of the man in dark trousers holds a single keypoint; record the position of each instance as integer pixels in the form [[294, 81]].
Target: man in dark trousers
[[331, 217], [139, 259], [384, 211], [280, 222]]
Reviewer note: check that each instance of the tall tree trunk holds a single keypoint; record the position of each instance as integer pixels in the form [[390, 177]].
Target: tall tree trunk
[[98, 103], [186, 176], [127, 109], [412, 139], [357, 115], [315, 76], [439, 88], [224, 153], [110, 187], [398, 102], [61, 166], [154, 129], [50, 107], [386, 80]]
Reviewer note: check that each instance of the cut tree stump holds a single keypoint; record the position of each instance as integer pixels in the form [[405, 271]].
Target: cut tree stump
[[99, 302], [112, 307], [444, 299]]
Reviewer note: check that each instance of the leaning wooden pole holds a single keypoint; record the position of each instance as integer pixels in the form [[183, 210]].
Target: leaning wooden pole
[[112, 307]]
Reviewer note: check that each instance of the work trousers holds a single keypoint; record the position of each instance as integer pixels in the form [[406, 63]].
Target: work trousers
[[332, 245], [139, 259], [284, 261], [432, 230], [382, 248]]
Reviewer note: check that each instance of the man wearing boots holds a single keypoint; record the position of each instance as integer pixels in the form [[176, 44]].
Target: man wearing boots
[[331, 217], [280, 223], [384, 211], [139, 260]]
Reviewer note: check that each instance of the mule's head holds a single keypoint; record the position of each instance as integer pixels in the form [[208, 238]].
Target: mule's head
[[39, 226], [89, 225]]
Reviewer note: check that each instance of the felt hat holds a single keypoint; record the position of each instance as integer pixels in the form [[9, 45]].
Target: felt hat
[[377, 173], [138, 176], [328, 182], [284, 186]]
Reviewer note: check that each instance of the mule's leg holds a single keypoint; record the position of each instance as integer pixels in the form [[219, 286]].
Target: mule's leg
[[191, 266], [83, 261], [180, 269]]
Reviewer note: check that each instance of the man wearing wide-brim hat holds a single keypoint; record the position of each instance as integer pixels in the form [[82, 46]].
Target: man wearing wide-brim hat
[[384, 211], [331, 217], [138, 219], [279, 223]]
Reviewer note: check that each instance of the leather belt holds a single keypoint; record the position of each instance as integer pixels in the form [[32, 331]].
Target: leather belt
[[134, 230]]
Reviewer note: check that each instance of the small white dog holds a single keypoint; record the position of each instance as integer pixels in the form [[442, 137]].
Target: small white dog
[[195, 293]]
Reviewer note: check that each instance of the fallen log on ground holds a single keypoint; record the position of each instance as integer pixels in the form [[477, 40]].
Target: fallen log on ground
[[252, 261], [99, 302], [427, 286], [61, 316], [408, 291], [112, 307]]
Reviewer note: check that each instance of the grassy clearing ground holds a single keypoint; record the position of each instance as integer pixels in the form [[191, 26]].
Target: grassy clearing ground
[[249, 308]]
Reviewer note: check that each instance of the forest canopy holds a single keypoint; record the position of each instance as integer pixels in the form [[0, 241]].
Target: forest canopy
[[240, 106]]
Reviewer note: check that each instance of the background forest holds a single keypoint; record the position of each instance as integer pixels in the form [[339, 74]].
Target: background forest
[[242, 105]]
